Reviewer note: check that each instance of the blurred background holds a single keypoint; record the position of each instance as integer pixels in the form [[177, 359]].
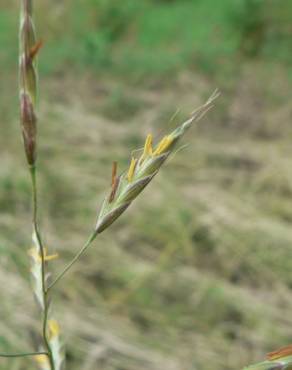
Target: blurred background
[[197, 274]]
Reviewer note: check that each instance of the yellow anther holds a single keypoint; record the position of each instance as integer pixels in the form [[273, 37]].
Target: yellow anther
[[35, 49], [148, 145], [54, 329], [131, 171], [51, 257], [163, 145], [35, 255], [147, 148], [42, 360]]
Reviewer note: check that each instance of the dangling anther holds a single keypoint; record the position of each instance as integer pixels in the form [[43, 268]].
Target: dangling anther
[[35, 49], [115, 181]]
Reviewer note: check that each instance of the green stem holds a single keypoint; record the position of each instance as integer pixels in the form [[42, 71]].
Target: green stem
[[42, 254], [75, 259], [26, 354]]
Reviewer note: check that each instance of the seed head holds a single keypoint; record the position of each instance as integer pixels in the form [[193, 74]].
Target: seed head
[[28, 50], [126, 187]]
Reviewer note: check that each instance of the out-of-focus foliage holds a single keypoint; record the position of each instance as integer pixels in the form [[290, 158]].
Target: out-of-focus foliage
[[145, 37]]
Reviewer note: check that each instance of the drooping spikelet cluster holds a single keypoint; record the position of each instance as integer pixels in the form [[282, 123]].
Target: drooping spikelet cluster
[[126, 187], [29, 48], [277, 360]]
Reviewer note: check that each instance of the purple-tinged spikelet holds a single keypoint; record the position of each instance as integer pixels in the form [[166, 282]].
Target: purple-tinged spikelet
[[28, 49]]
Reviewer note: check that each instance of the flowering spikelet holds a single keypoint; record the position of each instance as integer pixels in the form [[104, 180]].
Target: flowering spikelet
[[28, 49], [142, 170], [276, 360], [36, 269]]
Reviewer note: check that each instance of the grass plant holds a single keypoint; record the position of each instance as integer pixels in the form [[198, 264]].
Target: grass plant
[[125, 188], [152, 282]]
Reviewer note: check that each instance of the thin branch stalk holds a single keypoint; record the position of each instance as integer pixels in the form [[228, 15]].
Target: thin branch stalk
[[73, 261], [25, 354]]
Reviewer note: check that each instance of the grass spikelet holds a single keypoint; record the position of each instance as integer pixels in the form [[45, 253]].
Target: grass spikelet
[[28, 51], [142, 171], [36, 272]]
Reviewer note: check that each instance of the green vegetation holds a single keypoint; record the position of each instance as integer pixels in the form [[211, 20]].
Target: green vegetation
[[198, 274], [145, 38]]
